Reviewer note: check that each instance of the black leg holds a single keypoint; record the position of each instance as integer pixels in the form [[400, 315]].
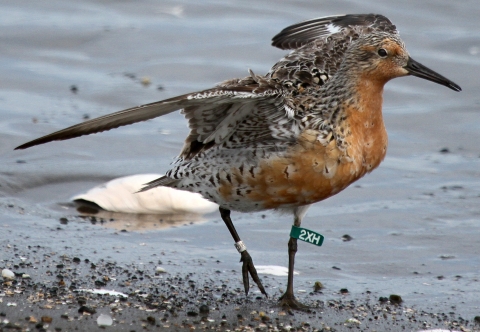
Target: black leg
[[247, 267], [292, 250], [288, 299]]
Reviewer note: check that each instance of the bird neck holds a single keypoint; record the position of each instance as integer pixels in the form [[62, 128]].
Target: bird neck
[[354, 94]]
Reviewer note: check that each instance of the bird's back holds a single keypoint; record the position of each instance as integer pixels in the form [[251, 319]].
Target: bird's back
[[285, 148]]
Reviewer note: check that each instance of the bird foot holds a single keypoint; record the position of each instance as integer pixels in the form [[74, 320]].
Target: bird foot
[[249, 268], [289, 301]]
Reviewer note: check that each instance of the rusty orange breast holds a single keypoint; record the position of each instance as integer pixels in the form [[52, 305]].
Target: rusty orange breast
[[315, 169]]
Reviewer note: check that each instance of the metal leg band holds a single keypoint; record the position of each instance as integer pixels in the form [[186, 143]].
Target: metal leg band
[[240, 246]]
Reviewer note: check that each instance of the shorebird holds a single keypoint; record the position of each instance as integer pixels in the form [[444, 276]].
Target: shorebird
[[297, 135]]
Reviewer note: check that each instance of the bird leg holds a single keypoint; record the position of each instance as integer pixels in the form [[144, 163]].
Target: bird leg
[[288, 298], [246, 259]]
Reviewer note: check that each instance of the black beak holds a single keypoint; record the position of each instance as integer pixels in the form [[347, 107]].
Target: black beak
[[417, 69]]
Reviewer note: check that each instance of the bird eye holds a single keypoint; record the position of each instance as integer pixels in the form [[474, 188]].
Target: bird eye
[[382, 52]]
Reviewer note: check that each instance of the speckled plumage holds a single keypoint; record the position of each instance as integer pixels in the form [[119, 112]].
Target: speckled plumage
[[297, 135], [232, 146]]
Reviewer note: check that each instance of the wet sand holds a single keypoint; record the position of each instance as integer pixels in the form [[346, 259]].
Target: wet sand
[[413, 222]]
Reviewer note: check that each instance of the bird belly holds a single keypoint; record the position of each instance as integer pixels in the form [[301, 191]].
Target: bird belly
[[309, 172]]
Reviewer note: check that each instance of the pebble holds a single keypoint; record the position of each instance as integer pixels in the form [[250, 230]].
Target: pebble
[[151, 320], [444, 150], [395, 299], [85, 309], [318, 286], [104, 320], [204, 309], [160, 270], [353, 321], [146, 81], [7, 274], [347, 238]]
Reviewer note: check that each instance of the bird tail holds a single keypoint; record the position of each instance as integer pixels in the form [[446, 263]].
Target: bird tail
[[163, 181]]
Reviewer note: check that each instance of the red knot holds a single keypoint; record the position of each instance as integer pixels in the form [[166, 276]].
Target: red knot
[[297, 135]]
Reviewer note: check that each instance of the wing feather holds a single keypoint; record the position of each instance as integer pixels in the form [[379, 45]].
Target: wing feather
[[297, 35], [216, 98]]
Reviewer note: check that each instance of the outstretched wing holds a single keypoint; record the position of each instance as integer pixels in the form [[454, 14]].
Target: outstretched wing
[[308, 31], [215, 116], [111, 121]]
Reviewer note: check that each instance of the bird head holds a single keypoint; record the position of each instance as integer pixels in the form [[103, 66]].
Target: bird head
[[382, 57]]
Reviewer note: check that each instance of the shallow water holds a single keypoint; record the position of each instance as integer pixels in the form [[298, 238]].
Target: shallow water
[[412, 220]]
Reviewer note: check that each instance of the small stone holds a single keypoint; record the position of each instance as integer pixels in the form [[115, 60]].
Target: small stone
[[32, 319], [204, 309], [192, 313], [100, 283], [353, 321], [151, 320], [447, 257], [347, 238], [81, 300], [86, 310], [160, 270], [47, 319], [25, 276], [395, 299], [444, 150], [318, 286], [146, 81], [343, 291], [477, 320], [104, 320], [7, 274], [382, 299]]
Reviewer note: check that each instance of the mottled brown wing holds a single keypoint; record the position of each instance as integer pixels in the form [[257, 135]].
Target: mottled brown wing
[[246, 123], [213, 114], [306, 32]]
